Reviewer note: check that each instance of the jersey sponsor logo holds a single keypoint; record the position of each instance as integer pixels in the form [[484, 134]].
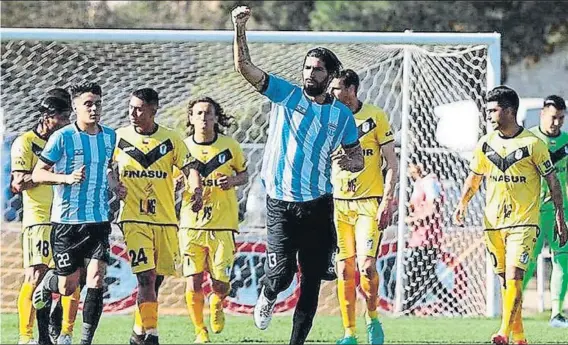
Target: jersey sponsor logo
[[205, 169], [145, 174], [331, 128], [504, 163], [366, 127], [36, 149], [559, 154], [146, 159], [508, 179]]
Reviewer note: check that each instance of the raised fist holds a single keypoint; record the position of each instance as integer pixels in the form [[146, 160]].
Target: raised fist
[[240, 15]]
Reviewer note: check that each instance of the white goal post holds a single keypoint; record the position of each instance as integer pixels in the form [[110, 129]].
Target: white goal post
[[407, 74]]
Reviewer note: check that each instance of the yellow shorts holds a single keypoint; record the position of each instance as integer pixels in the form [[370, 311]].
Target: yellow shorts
[[151, 246], [511, 246], [208, 250], [37, 246], [358, 232]]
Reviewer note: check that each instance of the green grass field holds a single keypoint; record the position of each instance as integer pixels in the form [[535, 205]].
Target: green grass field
[[240, 329]]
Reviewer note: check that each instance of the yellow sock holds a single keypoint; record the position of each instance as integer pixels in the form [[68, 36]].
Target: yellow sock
[[149, 316], [518, 328], [347, 297], [216, 301], [195, 301], [70, 305], [138, 327], [370, 288], [511, 303], [26, 311]]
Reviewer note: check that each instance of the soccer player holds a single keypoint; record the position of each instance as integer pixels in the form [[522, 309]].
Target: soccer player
[[64, 312], [145, 156], [363, 208], [54, 114], [306, 126], [551, 121], [513, 160], [75, 160], [207, 236]]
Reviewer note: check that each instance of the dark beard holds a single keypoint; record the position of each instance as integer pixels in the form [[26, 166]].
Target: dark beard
[[314, 90]]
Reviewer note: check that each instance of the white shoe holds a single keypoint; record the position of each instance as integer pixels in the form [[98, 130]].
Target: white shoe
[[559, 321], [65, 339], [263, 311], [30, 341], [41, 296]]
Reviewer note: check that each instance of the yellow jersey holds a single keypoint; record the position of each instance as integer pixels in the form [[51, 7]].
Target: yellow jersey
[[36, 201], [374, 130], [513, 168], [220, 211], [145, 164]]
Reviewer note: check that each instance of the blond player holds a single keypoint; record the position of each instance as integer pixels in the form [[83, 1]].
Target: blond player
[[363, 205], [207, 237], [146, 154], [512, 160]]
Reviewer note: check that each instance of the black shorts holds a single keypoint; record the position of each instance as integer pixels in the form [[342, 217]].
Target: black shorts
[[73, 243], [305, 229]]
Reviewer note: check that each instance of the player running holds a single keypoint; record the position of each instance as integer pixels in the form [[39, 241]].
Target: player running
[[551, 120], [54, 114], [75, 159], [513, 160], [207, 236], [363, 209], [145, 156]]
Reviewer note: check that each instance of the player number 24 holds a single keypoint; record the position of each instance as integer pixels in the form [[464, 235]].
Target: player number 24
[[136, 258]]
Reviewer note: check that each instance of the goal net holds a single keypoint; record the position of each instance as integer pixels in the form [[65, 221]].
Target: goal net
[[407, 80]]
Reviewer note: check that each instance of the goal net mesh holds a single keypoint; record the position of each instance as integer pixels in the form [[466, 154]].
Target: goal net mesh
[[445, 278]]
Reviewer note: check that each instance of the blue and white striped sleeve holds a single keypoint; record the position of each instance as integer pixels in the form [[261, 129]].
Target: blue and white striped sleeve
[[277, 89], [350, 133], [53, 150]]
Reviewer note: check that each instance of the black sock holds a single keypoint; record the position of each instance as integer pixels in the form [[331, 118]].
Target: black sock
[[158, 283], [56, 316], [42, 317], [305, 309], [92, 310]]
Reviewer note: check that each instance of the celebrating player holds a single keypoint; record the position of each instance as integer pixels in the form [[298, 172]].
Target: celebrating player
[[54, 114], [306, 126], [79, 155], [363, 208], [513, 161], [206, 236], [551, 120], [145, 156]]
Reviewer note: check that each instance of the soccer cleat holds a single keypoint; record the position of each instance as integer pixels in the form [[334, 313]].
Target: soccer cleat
[[499, 339], [64, 339], [347, 340], [202, 337], [41, 296], [375, 333], [151, 339], [263, 311], [559, 321], [27, 340], [136, 339], [217, 317], [521, 342]]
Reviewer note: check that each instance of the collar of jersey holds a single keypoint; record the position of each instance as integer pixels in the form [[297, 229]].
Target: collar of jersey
[[514, 136], [205, 143], [82, 131]]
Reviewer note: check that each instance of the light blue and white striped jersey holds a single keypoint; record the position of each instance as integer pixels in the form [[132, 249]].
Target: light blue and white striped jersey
[[301, 138], [68, 149]]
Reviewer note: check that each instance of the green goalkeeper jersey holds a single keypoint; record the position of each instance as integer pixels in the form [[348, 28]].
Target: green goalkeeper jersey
[[558, 147]]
